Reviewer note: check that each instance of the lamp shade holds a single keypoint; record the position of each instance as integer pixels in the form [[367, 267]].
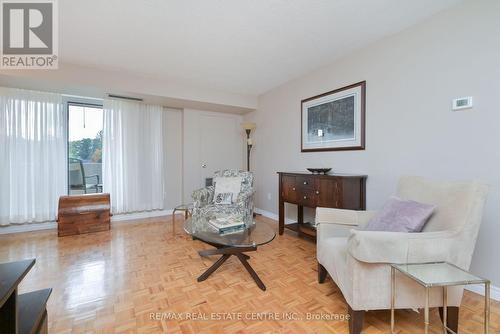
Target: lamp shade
[[248, 125]]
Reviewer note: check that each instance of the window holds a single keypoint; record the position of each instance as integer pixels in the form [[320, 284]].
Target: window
[[85, 125]]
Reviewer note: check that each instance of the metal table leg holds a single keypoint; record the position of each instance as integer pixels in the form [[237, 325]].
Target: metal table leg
[[445, 309], [393, 296], [486, 307], [426, 312], [173, 222]]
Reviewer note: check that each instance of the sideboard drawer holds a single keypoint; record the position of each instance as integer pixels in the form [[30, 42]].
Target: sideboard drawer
[[305, 182], [289, 189], [307, 197]]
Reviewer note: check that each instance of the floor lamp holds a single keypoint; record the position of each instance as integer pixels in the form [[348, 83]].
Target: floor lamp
[[248, 127]]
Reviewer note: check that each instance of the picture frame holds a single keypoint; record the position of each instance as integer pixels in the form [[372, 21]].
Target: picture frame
[[335, 120]]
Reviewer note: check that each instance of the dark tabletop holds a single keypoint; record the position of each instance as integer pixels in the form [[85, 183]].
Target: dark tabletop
[[11, 274]]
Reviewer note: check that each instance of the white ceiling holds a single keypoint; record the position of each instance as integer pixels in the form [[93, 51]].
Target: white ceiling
[[239, 46]]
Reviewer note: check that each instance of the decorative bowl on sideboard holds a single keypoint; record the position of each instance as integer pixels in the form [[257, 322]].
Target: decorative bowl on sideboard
[[319, 170]]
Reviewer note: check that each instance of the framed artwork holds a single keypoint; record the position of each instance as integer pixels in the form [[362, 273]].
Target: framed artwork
[[334, 121]]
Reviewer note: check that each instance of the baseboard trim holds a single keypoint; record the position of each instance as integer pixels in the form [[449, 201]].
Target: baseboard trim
[[479, 289], [28, 227], [115, 219], [126, 217], [272, 215]]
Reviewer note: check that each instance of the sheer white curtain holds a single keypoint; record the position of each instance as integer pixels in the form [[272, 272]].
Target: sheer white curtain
[[32, 155], [134, 156]]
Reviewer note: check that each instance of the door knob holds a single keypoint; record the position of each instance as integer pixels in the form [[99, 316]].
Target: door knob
[[305, 197], [317, 192], [204, 166], [293, 188]]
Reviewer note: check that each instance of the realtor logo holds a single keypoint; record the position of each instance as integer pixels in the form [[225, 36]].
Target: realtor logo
[[29, 34]]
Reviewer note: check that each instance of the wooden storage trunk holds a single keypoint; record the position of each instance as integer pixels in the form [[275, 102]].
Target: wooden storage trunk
[[83, 214]]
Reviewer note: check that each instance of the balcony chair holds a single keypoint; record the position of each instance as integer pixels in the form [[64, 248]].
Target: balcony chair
[[78, 179]]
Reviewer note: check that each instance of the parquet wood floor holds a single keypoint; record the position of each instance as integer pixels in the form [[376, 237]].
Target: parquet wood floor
[[111, 282]]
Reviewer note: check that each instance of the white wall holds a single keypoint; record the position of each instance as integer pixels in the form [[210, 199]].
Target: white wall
[[410, 128]]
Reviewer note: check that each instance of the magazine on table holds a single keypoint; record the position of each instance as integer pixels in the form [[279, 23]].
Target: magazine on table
[[227, 224], [235, 230]]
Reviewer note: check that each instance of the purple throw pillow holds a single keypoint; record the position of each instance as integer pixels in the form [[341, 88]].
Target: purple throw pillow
[[400, 215]]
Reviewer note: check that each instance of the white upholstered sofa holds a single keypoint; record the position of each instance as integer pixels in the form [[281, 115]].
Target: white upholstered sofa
[[358, 261]]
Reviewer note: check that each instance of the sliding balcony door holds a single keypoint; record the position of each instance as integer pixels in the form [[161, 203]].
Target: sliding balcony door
[[85, 126]]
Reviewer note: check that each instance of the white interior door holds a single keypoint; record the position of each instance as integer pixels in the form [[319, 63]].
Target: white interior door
[[212, 141], [220, 145]]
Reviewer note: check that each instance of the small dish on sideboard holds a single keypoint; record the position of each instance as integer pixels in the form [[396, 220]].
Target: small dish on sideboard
[[319, 170]]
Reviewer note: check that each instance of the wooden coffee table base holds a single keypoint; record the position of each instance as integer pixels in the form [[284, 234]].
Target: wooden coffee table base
[[226, 253]]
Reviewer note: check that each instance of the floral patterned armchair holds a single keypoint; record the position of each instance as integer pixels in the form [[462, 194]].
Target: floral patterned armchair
[[243, 206]]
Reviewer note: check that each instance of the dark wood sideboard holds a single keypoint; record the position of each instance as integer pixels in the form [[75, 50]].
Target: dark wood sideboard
[[342, 191]]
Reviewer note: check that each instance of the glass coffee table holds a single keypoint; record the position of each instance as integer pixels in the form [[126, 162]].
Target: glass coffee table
[[227, 245]]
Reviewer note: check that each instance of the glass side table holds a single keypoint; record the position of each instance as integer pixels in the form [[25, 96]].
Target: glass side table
[[438, 274], [186, 208]]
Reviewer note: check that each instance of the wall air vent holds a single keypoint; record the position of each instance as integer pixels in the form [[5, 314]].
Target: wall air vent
[[125, 97]]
